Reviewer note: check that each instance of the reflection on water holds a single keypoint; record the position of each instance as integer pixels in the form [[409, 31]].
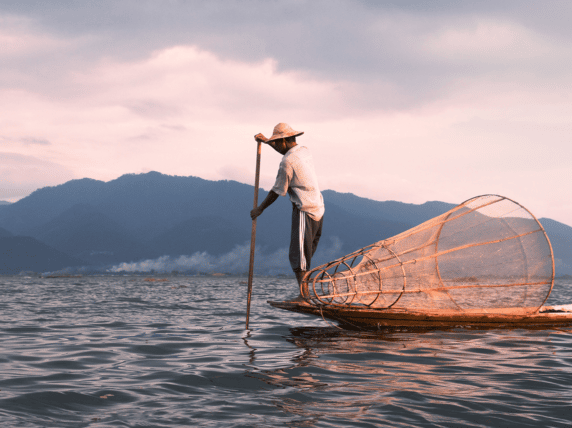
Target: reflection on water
[[456, 377], [124, 352]]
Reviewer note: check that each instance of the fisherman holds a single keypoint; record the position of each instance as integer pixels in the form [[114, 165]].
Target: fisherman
[[296, 176]]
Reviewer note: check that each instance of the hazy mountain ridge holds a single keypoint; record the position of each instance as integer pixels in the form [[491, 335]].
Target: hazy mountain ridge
[[24, 253], [401, 212], [212, 234], [146, 216], [560, 236], [4, 233], [88, 234]]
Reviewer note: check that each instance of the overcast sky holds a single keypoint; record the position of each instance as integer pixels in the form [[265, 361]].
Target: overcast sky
[[398, 100]]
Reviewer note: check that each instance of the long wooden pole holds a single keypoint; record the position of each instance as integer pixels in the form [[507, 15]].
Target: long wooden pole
[[253, 233]]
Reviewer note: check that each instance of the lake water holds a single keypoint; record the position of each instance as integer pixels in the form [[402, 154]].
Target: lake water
[[125, 352]]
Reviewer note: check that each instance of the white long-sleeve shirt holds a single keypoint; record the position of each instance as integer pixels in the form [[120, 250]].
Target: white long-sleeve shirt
[[297, 177]]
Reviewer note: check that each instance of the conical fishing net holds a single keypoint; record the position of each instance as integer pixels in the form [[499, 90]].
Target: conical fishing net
[[488, 254]]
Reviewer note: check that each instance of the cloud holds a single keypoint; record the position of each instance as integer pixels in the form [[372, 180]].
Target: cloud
[[411, 101], [399, 56], [185, 111], [20, 175], [407, 48], [25, 141], [19, 39], [182, 110]]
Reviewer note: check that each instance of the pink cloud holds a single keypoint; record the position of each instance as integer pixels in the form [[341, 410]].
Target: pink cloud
[[186, 111], [20, 175]]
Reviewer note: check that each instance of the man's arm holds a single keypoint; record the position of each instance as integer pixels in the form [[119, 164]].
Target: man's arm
[[269, 200]]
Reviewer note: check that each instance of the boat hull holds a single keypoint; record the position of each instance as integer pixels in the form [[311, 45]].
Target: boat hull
[[382, 318]]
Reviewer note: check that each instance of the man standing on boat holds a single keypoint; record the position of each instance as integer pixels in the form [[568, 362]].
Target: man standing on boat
[[296, 176]]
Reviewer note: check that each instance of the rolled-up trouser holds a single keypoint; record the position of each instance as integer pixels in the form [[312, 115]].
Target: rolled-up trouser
[[304, 239]]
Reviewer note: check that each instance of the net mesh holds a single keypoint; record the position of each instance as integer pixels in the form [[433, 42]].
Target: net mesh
[[488, 254]]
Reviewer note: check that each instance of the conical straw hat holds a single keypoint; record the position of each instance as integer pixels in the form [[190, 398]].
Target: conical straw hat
[[283, 130]]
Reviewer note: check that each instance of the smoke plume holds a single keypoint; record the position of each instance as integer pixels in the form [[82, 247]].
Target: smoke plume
[[235, 262]]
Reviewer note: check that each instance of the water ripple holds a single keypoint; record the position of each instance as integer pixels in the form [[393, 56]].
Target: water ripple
[[121, 351]]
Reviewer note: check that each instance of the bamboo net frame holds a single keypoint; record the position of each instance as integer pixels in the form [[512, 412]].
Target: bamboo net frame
[[487, 254]]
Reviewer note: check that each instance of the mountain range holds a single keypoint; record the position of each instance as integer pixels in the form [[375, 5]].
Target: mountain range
[[155, 221]]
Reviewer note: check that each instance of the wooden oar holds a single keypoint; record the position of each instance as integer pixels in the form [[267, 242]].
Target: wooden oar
[[253, 233]]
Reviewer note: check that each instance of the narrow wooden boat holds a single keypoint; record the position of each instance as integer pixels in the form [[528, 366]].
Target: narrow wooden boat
[[487, 262], [546, 317]]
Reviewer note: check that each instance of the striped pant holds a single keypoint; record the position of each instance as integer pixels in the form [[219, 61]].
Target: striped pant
[[304, 239]]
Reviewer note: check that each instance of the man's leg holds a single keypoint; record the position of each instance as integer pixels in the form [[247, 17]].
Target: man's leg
[[304, 240], [296, 253], [300, 276], [317, 234]]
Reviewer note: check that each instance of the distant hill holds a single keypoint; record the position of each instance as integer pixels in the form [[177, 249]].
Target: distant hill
[[144, 204], [146, 216], [24, 253], [560, 236], [4, 204], [89, 235], [400, 212], [4, 233], [213, 234]]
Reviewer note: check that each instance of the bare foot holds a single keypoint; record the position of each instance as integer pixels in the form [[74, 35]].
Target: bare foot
[[298, 299]]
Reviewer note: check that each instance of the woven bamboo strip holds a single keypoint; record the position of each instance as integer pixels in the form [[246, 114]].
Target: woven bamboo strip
[[452, 250], [429, 290]]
